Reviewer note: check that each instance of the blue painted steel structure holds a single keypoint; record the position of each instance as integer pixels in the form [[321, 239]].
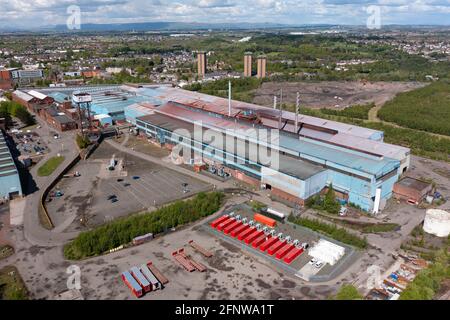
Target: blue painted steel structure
[[9, 175], [353, 173]]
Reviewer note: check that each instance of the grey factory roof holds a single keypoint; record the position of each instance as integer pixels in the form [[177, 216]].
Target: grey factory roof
[[298, 168]]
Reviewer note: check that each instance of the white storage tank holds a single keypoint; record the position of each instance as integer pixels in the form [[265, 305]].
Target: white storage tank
[[437, 222]]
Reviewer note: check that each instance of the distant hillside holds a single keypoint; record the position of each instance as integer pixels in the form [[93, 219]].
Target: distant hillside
[[161, 26]]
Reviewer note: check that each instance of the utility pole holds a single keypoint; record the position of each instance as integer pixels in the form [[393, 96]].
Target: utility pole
[[297, 110], [229, 98]]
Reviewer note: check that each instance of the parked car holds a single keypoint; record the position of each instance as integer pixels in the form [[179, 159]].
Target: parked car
[[113, 200], [312, 261], [318, 264], [111, 196], [343, 211]]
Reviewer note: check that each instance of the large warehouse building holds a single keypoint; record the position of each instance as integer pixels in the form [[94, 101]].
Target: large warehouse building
[[9, 176], [313, 153]]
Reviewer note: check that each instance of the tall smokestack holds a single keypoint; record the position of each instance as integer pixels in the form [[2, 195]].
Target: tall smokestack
[[281, 111], [297, 110], [229, 98]]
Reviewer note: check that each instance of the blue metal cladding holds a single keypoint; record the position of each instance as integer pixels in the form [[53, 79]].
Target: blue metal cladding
[[361, 191], [10, 184]]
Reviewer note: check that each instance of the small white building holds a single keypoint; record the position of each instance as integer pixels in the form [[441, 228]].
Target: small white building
[[327, 252]]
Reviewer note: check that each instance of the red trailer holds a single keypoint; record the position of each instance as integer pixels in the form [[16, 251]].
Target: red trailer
[[216, 222], [225, 224], [268, 243], [291, 256], [132, 284], [258, 241], [284, 251], [141, 279], [158, 274], [276, 246], [232, 226], [239, 230], [253, 236], [246, 233], [181, 259]]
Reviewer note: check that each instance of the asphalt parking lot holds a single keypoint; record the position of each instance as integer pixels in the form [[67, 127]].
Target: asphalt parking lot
[[99, 195]]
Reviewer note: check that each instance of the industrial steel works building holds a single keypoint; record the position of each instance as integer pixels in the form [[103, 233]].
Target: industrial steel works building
[[10, 186], [313, 153]]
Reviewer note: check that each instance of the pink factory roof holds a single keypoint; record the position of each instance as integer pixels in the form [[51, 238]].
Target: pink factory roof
[[177, 111], [220, 105], [357, 143]]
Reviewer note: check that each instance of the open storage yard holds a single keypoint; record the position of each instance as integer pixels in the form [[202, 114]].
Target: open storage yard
[[99, 195], [231, 273], [328, 94], [293, 260]]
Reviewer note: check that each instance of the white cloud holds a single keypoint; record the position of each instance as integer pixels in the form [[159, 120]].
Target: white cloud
[[28, 13]]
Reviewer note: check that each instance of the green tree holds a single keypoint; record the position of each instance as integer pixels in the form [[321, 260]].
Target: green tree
[[348, 292]]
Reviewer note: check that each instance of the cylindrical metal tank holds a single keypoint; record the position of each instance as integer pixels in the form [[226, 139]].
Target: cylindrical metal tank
[[437, 222]]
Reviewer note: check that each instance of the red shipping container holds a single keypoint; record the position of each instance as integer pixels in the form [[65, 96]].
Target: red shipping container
[[216, 222], [293, 254], [231, 227], [253, 236], [276, 246], [225, 224], [258, 241], [239, 230], [268, 243], [284, 251], [264, 220], [246, 233]]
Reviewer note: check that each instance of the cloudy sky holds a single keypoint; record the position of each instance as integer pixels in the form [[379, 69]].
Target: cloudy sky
[[33, 13]]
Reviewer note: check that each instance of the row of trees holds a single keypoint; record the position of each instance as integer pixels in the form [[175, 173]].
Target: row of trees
[[331, 230], [122, 231], [428, 282], [9, 109], [242, 89]]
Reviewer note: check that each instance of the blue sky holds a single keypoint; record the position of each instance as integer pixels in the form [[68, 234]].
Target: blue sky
[[33, 13]]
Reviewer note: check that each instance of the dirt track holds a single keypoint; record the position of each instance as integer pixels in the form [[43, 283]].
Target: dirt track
[[333, 94]]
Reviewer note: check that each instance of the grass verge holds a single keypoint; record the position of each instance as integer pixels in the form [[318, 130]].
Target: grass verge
[[331, 230], [49, 166], [6, 251], [11, 285]]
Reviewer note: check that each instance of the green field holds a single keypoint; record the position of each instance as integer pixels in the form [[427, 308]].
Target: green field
[[49, 166], [426, 109]]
